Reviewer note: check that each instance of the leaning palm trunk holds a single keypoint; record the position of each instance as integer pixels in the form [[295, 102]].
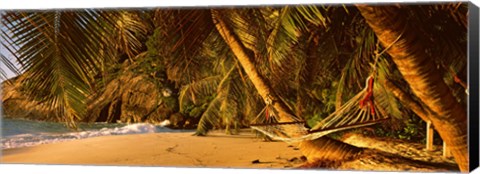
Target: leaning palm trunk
[[408, 101], [418, 69], [320, 149]]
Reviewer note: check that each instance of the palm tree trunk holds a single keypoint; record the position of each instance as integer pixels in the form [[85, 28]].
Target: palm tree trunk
[[407, 100], [320, 149], [418, 69]]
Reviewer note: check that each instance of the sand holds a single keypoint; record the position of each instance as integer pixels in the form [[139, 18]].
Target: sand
[[162, 149], [218, 150]]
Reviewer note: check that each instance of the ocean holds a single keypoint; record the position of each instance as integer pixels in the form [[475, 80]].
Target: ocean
[[23, 133]]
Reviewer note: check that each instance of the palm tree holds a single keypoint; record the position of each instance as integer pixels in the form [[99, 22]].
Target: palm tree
[[283, 53], [314, 150], [392, 27], [61, 52]]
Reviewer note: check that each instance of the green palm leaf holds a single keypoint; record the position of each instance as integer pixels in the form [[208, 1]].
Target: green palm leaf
[[128, 31], [198, 89], [60, 51], [222, 105]]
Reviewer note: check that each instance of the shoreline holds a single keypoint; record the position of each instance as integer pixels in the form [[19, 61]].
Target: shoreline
[[166, 149]]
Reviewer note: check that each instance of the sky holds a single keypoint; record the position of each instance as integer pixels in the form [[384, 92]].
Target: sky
[[7, 54]]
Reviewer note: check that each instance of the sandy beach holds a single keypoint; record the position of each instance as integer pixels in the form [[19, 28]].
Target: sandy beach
[[162, 149], [218, 150]]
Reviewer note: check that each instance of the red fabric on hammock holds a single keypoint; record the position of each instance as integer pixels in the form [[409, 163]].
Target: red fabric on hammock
[[266, 113], [368, 99]]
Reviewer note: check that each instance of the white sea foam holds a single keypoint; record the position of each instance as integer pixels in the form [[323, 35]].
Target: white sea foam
[[164, 123], [33, 139]]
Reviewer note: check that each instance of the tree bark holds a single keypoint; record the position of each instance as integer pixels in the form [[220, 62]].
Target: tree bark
[[408, 101], [408, 53], [321, 149]]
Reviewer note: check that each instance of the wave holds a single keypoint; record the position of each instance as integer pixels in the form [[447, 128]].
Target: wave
[[33, 139]]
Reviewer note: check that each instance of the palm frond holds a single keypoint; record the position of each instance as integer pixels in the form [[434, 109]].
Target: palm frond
[[227, 93], [183, 37], [184, 29], [226, 106], [198, 89], [387, 99], [362, 60], [9, 65], [210, 115], [282, 38], [250, 26], [128, 30], [313, 14], [59, 51]]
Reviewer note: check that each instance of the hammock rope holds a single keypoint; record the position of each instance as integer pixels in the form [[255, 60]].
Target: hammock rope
[[362, 110]]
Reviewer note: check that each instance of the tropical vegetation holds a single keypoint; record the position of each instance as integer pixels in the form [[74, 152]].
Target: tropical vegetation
[[214, 68]]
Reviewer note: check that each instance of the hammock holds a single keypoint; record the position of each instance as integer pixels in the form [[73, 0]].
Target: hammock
[[362, 110], [353, 114]]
